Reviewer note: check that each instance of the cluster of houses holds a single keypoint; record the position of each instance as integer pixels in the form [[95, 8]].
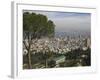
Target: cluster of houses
[[57, 45]]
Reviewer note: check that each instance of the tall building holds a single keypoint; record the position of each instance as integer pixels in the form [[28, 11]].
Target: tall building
[[88, 43]]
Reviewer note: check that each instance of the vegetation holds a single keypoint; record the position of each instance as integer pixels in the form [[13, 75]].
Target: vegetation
[[78, 56], [38, 25], [35, 26], [74, 58], [51, 63]]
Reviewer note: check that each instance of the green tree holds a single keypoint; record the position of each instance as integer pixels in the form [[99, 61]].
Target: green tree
[[35, 26], [38, 24], [52, 63]]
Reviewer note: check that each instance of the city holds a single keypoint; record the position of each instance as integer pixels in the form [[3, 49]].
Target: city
[[57, 50], [56, 39]]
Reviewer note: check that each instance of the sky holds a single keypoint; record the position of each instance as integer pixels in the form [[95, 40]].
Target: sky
[[69, 21]]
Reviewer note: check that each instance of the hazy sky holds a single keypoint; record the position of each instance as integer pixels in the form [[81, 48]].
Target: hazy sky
[[69, 21]]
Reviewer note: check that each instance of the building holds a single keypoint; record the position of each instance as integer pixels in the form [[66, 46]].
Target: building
[[88, 43]]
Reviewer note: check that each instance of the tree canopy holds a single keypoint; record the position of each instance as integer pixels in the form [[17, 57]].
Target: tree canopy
[[38, 25]]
